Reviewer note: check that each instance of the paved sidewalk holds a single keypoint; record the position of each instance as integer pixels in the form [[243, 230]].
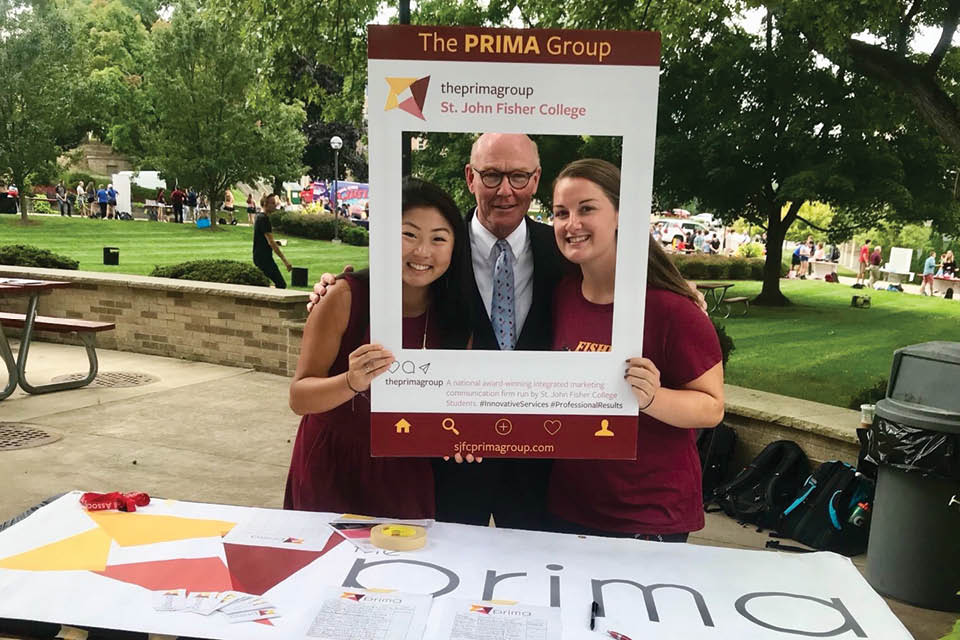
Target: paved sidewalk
[[207, 433]]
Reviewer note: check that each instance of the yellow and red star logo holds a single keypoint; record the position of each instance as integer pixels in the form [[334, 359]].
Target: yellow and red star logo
[[408, 94]]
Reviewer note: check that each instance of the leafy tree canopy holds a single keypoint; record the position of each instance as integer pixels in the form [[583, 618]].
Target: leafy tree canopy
[[38, 56], [216, 122]]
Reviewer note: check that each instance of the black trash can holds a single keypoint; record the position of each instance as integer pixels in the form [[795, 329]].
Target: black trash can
[[298, 277], [111, 255], [914, 549]]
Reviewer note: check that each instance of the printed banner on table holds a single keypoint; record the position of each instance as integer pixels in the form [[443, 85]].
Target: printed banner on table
[[61, 566], [468, 81]]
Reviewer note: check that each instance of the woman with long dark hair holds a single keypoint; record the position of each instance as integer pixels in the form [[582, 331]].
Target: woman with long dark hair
[[678, 382], [331, 468]]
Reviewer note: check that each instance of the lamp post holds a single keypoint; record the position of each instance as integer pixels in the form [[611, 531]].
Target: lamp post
[[336, 143]]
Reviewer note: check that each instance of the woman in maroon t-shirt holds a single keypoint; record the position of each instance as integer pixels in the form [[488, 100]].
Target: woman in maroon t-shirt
[[331, 468], [678, 383]]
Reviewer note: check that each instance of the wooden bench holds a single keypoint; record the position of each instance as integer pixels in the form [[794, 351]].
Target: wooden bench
[[729, 302], [85, 329]]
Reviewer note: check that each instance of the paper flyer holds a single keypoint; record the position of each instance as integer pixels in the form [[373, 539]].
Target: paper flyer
[[355, 614], [460, 619]]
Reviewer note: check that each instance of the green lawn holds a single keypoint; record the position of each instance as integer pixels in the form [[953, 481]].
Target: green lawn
[[821, 348], [144, 245]]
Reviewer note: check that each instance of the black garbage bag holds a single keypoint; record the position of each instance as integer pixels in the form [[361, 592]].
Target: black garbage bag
[[913, 449]]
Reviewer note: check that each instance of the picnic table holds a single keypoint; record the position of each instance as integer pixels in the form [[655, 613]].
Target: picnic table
[[942, 284], [821, 268], [29, 323], [715, 295]]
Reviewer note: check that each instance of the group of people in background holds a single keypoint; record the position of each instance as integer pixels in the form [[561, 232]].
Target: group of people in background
[[946, 269], [182, 202], [90, 200], [807, 251]]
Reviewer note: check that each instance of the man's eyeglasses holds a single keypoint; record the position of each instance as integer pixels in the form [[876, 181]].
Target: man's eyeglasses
[[492, 179]]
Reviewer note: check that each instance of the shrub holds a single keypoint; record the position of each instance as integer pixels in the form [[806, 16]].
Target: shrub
[[726, 342], [225, 271], [708, 267], [692, 268], [717, 269], [42, 205], [22, 255], [141, 194], [313, 226], [750, 250], [73, 178], [357, 236], [869, 395], [738, 269]]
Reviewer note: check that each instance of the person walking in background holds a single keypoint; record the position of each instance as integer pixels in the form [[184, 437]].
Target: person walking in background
[[948, 266], [71, 202], [252, 207], [864, 260], [111, 201], [192, 203], [61, 193], [177, 199], [876, 259], [264, 246], [82, 200], [227, 203], [102, 200], [161, 204], [929, 268]]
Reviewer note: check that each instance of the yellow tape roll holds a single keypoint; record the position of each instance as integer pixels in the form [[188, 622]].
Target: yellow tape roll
[[398, 537]]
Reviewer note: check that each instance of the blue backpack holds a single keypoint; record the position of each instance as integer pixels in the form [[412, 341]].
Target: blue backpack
[[831, 510]]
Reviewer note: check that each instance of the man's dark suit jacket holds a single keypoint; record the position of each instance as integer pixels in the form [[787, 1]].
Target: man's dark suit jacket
[[514, 491], [548, 268]]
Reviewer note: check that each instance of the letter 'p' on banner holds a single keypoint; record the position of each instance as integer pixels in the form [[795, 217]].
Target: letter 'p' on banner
[[566, 90]]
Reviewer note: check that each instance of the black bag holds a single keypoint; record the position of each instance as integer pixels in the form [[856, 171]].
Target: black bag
[[857, 286], [761, 492], [820, 516], [715, 447]]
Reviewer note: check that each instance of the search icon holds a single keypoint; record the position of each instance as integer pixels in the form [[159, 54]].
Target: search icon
[[449, 425]]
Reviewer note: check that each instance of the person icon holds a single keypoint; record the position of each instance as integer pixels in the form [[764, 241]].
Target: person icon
[[604, 430]]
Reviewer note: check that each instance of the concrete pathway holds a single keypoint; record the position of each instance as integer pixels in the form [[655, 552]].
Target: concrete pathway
[[207, 433]]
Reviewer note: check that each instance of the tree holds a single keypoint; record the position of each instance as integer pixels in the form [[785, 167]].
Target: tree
[[37, 115], [842, 31], [215, 121], [114, 44], [317, 53], [753, 124]]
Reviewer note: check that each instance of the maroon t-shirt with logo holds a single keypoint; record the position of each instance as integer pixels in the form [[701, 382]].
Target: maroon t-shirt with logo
[[660, 491]]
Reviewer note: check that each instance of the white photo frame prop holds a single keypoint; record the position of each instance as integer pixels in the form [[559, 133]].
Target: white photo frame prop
[[521, 404]]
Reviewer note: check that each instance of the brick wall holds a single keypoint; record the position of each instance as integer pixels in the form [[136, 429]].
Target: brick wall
[[234, 325]]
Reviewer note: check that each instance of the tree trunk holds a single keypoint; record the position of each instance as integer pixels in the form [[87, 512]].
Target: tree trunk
[[214, 199], [20, 179], [777, 227]]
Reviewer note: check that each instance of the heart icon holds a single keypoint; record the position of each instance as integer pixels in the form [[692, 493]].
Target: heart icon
[[552, 426]]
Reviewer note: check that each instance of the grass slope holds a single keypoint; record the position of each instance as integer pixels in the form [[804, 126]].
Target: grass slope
[[824, 350], [144, 245]]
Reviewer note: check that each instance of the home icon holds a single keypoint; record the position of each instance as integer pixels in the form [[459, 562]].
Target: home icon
[[403, 426]]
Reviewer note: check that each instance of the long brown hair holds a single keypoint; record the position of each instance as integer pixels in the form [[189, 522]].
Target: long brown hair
[[661, 272]]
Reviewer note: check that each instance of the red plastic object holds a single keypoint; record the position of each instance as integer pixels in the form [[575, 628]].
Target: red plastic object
[[114, 500]]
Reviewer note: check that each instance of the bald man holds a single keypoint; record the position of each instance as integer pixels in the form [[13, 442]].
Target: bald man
[[503, 174]]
